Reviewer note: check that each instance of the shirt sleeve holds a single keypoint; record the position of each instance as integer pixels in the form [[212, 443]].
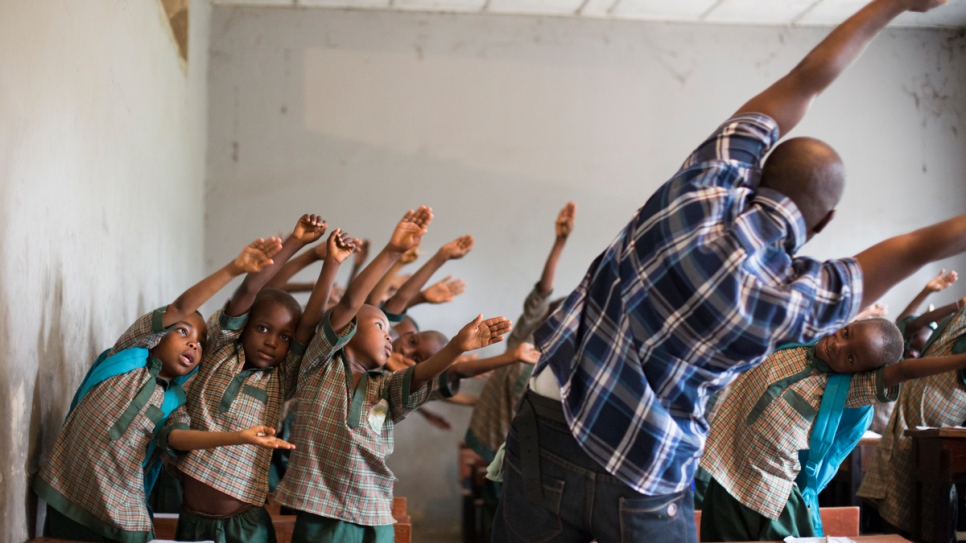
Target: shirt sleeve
[[146, 332], [742, 142], [869, 387], [827, 296], [402, 398], [224, 329], [288, 370], [325, 344], [535, 309], [177, 420], [443, 389]]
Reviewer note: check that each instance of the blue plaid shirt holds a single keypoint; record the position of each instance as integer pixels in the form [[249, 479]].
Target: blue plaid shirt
[[699, 287]]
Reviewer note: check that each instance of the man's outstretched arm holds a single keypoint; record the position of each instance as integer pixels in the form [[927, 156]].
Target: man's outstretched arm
[[887, 263], [788, 99]]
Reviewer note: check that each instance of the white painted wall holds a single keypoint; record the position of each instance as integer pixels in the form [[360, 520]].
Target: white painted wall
[[497, 121], [102, 149]]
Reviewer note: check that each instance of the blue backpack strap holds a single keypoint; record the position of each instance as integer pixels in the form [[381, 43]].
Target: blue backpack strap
[[106, 367], [174, 397]]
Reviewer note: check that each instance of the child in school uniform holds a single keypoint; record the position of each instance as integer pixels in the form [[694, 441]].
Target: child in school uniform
[[937, 400], [337, 478], [95, 480], [916, 328], [250, 368], [752, 452]]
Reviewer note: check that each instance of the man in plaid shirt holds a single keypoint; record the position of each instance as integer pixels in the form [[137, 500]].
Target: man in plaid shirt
[[935, 401], [702, 284], [94, 480], [337, 478]]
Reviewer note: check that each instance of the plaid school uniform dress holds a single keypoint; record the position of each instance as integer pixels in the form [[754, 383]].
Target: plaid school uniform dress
[[226, 397], [752, 449], [98, 480], [496, 406], [701, 285], [343, 435], [938, 400]]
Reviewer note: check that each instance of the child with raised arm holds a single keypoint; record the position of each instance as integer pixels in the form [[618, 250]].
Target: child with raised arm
[[337, 478], [916, 328], [774, 411], [409, 293], [101, 468], [250, 368], [935, 401]]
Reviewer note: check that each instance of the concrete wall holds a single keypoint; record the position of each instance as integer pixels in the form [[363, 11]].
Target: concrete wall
[[102, 149], [497, 121]]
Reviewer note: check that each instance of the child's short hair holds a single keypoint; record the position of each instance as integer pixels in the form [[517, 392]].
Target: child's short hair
[[411, 321], [277, 296], [893, 342], [437, 336]]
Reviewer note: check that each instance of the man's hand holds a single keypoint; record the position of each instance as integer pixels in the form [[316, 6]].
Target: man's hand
[[263, 436], [410, 230], [565, 220], [257, 255], [526, 352], [339, 246], [481, 333], [941, 282], [398, 362], [457, 248], [309, 228], [444, 291]]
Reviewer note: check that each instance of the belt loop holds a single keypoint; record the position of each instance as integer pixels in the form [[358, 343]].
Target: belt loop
[[528, 437]]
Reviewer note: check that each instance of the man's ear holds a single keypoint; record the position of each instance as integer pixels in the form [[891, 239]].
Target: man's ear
[[824, 222]]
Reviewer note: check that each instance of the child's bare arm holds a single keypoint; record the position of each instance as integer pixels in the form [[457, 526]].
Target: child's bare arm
[[385, 283], [256, 256], [874, 310], [475, 335], [917, 368], [308, 229], [935, 315], [524, 352], [362, 254], [407, 235], [189, 440], [787, 100], [338, 248], [295, 265], [453, 250], [297, 287], [889, 262], [439, 293], [563, 227], [936, 284]]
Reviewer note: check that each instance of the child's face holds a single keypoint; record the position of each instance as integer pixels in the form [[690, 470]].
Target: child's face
[[917, 342], [853, 349], [403, 328], [180, 349], [371, 345], [417, 346], [268, 335]]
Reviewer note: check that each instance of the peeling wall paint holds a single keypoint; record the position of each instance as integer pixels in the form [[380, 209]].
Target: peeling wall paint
[[497, 121], [102, 150]]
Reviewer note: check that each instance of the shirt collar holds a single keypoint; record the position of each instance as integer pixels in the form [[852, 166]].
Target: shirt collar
[[820, 365], [785, 208]]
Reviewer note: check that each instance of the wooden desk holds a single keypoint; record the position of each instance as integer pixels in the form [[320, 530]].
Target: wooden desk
[[871, 539], [939, 457]]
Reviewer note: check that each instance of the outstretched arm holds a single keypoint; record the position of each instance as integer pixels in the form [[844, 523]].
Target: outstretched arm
[[440, 292], [189, 440], [787, 100], [308, 229], [252, 259], [935, 315], [889, 262], [451, 251], [524, 352], [917, 368], [362, 254], [408, 233], [338, 248], [935, 284], [475, 335], [563, 227], [381, 289]]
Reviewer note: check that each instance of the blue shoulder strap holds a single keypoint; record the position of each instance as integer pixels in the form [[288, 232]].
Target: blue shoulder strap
[[836, 431]]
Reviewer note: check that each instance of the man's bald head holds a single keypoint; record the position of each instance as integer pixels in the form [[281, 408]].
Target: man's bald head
[[809, 172]]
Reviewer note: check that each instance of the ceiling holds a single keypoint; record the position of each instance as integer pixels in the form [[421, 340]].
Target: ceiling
[[759, 12]]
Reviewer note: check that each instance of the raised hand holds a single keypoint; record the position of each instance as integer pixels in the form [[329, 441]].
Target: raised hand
[[263, 436], [481, 333], [457, 248], [526, 352], [258, 254], [339, 246], [362, 251], [309, 228], [398, 362], [565, 220], [444, 291], [410, 256], [923, 6], [410, 230], [941, 282]]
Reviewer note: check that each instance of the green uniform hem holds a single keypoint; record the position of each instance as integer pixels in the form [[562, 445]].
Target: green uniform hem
[[163, 438], [81, 516], [443, 385], [478, 447], [297, 348], [157, 320], [883, 394], [227, 322]]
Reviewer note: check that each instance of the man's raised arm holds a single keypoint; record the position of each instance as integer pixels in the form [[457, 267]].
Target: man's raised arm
[[788, 99]]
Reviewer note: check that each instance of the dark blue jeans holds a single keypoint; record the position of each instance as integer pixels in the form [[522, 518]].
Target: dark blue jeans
[[581, 502]]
